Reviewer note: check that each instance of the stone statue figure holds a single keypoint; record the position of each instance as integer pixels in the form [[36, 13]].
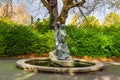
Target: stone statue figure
[[61, 49]]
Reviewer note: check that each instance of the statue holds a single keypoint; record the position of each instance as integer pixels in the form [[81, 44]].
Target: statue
[[61, 49], [61, 54]]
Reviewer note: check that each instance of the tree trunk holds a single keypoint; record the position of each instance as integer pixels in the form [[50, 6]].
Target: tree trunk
[[51, 5], [53, 13], [63, 15]]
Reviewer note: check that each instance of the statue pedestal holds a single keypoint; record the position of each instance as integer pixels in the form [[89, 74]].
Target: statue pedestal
[[62, 63]]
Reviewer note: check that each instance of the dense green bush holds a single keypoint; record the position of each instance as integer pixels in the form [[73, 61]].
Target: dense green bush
[[83, 41], [42, 26], [45, 41], [114, 31], [18, 39], [93, 41]]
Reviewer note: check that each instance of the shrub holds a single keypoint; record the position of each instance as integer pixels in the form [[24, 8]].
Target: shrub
[[44, 43], [94, 42], [82, 41], [114, 31], [18, 39], [42, 26]]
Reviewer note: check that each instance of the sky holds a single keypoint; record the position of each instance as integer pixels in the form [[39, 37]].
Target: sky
[[38, 11]]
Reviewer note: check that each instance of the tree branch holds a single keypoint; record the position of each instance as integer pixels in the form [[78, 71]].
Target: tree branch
[[46, 4], [79, 3], [82, 2]]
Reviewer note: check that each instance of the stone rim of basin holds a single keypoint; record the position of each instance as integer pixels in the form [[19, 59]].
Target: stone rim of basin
[[34, 68]]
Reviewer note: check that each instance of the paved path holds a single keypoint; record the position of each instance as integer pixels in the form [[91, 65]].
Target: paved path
[[8, 71]]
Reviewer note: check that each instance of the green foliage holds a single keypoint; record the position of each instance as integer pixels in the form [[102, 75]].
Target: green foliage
[[74, 19], [94, 42], [112, 19], [45, 44], [92, 20], [18, 39], [114, 31], [83, 41], [42, 26]]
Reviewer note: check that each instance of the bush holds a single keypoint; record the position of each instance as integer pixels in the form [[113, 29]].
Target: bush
[[93, 42], [83, 41], [18, 39], [114, 31], [44, 43], [42, 26]]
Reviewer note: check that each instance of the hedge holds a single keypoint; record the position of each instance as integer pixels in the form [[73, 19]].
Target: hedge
[[93, 41], [89, 40], [19, 39]]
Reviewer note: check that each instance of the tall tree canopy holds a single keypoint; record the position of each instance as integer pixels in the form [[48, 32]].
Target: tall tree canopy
[[92, 21], [51, 6], [41, 8], [112, 19]]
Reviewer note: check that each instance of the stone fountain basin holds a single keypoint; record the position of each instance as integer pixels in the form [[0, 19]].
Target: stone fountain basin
[[35, 68]]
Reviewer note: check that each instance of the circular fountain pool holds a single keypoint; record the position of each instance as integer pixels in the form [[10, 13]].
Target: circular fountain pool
[[45, 64]]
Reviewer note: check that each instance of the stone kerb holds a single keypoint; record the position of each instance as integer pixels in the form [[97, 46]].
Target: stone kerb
[[22, 64]]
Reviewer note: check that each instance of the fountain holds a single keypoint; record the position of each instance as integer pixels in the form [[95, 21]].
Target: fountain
[[59, 60]]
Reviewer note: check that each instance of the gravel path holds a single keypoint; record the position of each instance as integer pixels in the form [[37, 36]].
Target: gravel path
[[8, 71]]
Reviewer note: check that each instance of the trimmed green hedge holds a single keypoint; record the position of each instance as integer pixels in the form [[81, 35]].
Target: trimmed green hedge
[[18, 39], [94, 42], [83, 41], [42, 26]]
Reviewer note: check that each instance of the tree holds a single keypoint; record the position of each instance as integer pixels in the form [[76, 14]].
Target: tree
[[92, 21], [112, 19], [74, 20], [113, 3], [117, 3], [51, 6], [83, 10], [18, 14], [7, 9]]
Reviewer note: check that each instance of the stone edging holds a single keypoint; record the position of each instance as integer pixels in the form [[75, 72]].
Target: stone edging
[[21, 64]]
